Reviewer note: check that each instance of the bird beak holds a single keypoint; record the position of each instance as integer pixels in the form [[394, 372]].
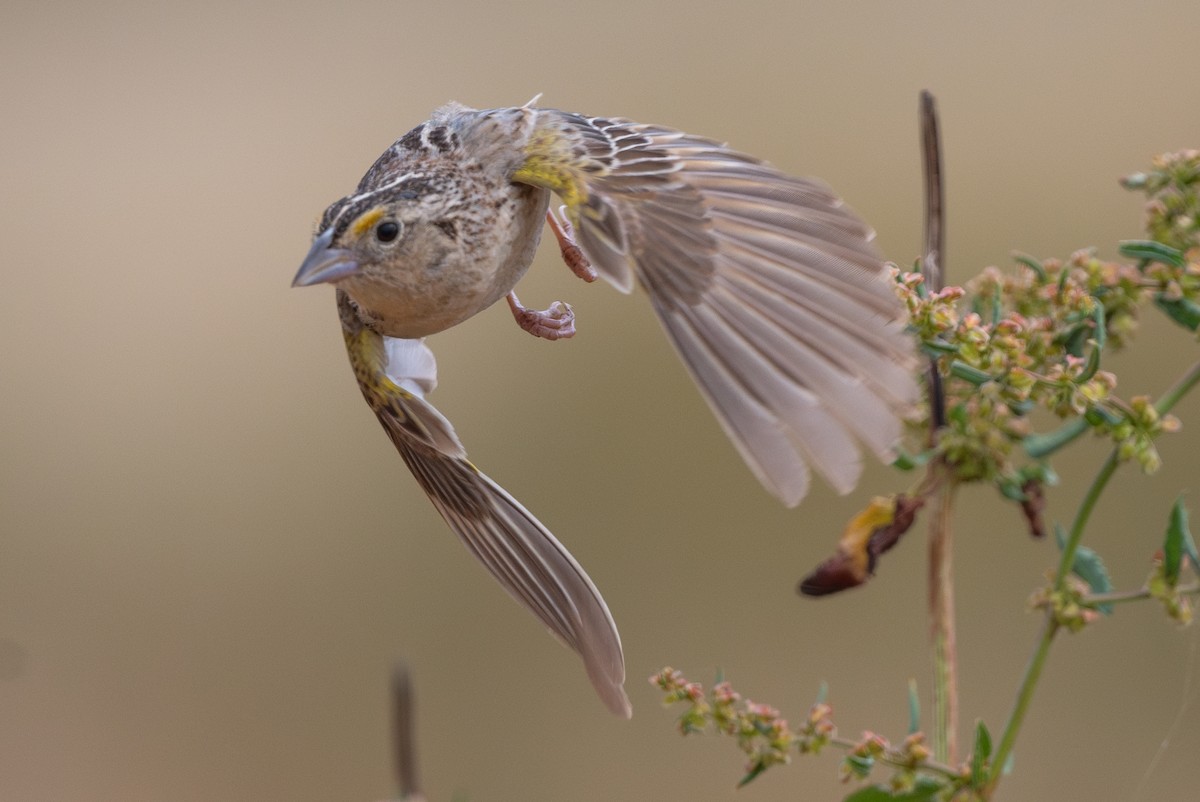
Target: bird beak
[[324, 264]]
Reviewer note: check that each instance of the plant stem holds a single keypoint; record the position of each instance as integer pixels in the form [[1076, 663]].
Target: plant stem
[[933, 263], [1081, 518], [1033, 673], [1171, 397], [1168, 400], [899, 760], [1120, 596], [941, 563], [1050, 628], [941, 613]]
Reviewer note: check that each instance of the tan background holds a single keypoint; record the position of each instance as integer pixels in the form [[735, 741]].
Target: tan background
[[210, 554]]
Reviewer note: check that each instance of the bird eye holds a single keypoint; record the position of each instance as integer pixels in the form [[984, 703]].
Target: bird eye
[[387, 231]]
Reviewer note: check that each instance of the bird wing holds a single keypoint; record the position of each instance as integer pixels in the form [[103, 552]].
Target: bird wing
[[768, 286], [519, 551]]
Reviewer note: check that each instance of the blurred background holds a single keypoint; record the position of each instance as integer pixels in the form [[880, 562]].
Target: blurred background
[[211, 556]]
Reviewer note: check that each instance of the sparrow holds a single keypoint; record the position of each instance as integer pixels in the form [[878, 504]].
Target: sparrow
[[768, 286]]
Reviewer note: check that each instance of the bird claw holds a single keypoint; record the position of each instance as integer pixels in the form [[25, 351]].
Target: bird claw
[[555, 323], [572, 254]]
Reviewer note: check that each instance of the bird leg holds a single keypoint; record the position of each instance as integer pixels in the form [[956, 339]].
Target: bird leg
[[572, 254], [555, 323]]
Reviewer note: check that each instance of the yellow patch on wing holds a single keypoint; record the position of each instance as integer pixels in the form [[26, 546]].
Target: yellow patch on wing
[[548, 164], [365, 221]]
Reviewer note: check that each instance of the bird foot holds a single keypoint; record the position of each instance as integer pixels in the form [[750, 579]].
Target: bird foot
[[572, 254], [555, 323]]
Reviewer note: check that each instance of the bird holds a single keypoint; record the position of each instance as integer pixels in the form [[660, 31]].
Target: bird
[[769, 287]]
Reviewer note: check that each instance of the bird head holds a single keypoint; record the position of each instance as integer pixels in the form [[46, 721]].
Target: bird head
[[354, 236], [375, 231]]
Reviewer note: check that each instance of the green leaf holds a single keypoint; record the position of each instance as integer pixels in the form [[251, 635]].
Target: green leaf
[[1189, 546], [1062, 281], [1183, 311], [907, 462], [981, 754], [924, 790], [1011, 489], [1021, 407], [1098, 415], [1100, 334], [1093, 364], [1088, 566], [872, 793], [859, 765], [923, 287], [1135, 181], [1076, 339], [1031, 263], [822, 692], [972, 374], [936, 348], [1174, 544], [1041, 445], [755, 770], [1151, 251], [1040, 472], [914, 708], [1091, 569]]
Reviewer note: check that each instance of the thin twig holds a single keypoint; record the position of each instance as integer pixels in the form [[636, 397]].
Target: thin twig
[[945, 642], [933, 261], [404, 734], [941, 573], [1120, 596], [898, 759]]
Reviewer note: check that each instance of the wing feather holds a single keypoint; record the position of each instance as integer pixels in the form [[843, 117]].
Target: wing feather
[[518, 550], [769, 287], [755, 431]]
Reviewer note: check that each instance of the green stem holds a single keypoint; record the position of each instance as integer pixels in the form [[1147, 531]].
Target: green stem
[[1081, 518], [1171, 397], [1168, 400], [1033, 673], [1120, 596], [1043, 445], [899, 760], [1034, 670], [1050, 628]]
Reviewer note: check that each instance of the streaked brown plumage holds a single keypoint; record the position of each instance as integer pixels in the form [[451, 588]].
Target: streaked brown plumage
[[767, 285]]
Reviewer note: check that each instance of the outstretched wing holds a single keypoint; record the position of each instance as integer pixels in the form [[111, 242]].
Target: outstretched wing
[[518, 550], [768, 286]]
